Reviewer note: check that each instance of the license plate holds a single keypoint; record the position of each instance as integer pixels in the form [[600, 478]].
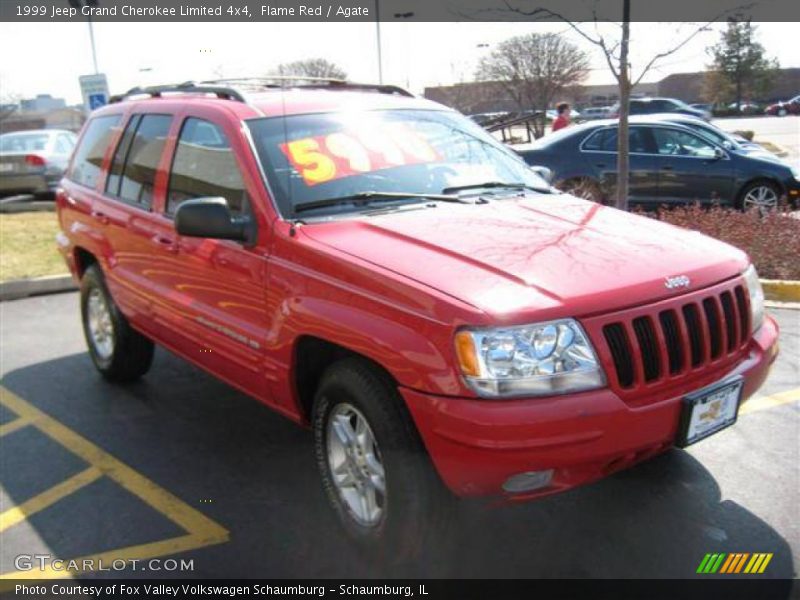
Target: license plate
[[6, 167], [708, 411]]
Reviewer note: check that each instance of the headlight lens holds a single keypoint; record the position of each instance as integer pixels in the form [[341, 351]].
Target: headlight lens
[[534, 360], [796, 173], [756, 297]]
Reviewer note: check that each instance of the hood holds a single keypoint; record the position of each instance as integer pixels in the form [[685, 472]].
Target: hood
[[551, 253]]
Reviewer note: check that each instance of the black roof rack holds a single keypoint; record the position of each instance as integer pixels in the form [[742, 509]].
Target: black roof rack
[[227, 88], [190, 87], [301, 81]]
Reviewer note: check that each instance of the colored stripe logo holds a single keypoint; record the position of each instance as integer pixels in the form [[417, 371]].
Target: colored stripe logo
[[735, 563]]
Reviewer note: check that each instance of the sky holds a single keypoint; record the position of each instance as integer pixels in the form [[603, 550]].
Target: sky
[[48, 58]]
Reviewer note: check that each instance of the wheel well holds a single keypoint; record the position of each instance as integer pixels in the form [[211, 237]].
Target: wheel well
[[312, 356], [83, 260]]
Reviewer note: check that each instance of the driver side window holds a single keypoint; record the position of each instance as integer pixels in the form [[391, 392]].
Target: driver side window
[[680, 143], [205, 165]]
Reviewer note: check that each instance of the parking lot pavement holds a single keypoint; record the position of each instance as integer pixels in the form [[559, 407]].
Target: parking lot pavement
[[784, 131], [94, 469]]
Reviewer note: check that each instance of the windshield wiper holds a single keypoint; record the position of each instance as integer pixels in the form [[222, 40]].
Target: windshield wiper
[[494, 184], [364, 198]]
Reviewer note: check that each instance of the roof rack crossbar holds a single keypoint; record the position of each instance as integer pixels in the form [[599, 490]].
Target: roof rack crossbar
[[273, 81], [191, 87]]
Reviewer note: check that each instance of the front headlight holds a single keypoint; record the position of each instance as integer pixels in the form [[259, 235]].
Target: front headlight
[[531, 360], [756, 298], [796, 173]]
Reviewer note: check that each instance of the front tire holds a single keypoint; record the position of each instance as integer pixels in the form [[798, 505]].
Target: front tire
[[763, 195], [118, 351], [583, 187], [375, 471]]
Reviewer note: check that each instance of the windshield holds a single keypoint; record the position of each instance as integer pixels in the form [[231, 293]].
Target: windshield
[[309, 158], [23, 142]]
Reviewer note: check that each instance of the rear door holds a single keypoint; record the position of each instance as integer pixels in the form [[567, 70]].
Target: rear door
[[216, 303], [600, 150], [689, 168], [125, 210]]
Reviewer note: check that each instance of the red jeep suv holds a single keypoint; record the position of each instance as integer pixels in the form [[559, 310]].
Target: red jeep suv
[[378, 268]]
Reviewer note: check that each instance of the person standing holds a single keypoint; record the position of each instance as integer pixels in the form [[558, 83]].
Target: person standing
[[562, 119]]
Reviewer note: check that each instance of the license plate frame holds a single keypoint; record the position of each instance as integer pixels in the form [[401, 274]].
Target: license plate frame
[[727, 393]]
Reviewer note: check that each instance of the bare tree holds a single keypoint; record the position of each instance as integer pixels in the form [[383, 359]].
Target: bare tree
[[9, 104], [615, 48], [311, 67], [534, 70]]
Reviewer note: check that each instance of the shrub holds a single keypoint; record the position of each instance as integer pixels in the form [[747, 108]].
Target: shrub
[[771, 240]]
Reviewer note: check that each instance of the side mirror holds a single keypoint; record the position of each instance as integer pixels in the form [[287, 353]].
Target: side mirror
[[544, 173], [211, 218], [719, 153]]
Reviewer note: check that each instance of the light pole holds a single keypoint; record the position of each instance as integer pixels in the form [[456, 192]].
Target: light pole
[[378, 37], [405, 15], [79, 4]]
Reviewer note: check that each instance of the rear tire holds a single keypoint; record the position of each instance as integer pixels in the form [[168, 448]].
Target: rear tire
[[118, 351], [409, 511]]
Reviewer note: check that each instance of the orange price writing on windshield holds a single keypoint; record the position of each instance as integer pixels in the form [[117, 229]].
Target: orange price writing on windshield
[[323, 158]]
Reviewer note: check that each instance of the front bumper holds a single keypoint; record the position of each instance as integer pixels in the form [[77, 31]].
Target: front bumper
[[476, 445]]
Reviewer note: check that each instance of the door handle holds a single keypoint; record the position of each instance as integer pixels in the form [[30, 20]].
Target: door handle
[[100, 216], [601, 165], [666, 168], [166, 243]]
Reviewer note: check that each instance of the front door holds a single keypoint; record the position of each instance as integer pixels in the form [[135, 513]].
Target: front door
[[690, 169], [217, 295]]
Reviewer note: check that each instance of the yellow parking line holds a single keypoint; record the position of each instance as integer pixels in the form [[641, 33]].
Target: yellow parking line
[[12, 516], [779, 399], [201, 530], [12, 426]]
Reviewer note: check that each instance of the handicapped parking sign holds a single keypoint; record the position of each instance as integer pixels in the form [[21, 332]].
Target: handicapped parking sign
[[97, 100]]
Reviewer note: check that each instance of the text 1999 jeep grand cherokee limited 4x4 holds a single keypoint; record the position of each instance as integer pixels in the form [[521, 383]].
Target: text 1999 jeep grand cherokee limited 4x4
[[377, 267]]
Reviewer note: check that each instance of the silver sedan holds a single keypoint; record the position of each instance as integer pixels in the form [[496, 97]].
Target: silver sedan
[[33, 162]]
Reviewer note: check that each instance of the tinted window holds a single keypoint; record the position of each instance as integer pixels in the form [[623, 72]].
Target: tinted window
[[681, 143], [204, 165], [605, 140], [88, 160], [637, 108], [118, 160], [24, 142], [141, 163]]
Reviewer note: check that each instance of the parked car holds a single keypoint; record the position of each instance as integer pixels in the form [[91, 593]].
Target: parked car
[[649, 106], [595, 112], [379, 269], [781, 109], [746, 108], [669, 163], [33, 162], [703, 106]]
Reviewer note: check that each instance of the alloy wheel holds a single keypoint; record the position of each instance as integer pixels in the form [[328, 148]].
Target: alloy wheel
[[762, 196], [101, 327], [355, 463]]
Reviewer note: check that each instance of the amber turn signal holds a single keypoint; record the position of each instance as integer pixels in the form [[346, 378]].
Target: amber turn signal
[[467, 357]]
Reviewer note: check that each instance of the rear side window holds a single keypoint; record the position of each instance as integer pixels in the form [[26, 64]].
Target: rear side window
[[88, 160], [143, 153], [205, 165]]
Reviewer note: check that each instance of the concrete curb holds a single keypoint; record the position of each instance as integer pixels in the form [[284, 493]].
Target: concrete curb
[[781, 290], [22, 288]]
